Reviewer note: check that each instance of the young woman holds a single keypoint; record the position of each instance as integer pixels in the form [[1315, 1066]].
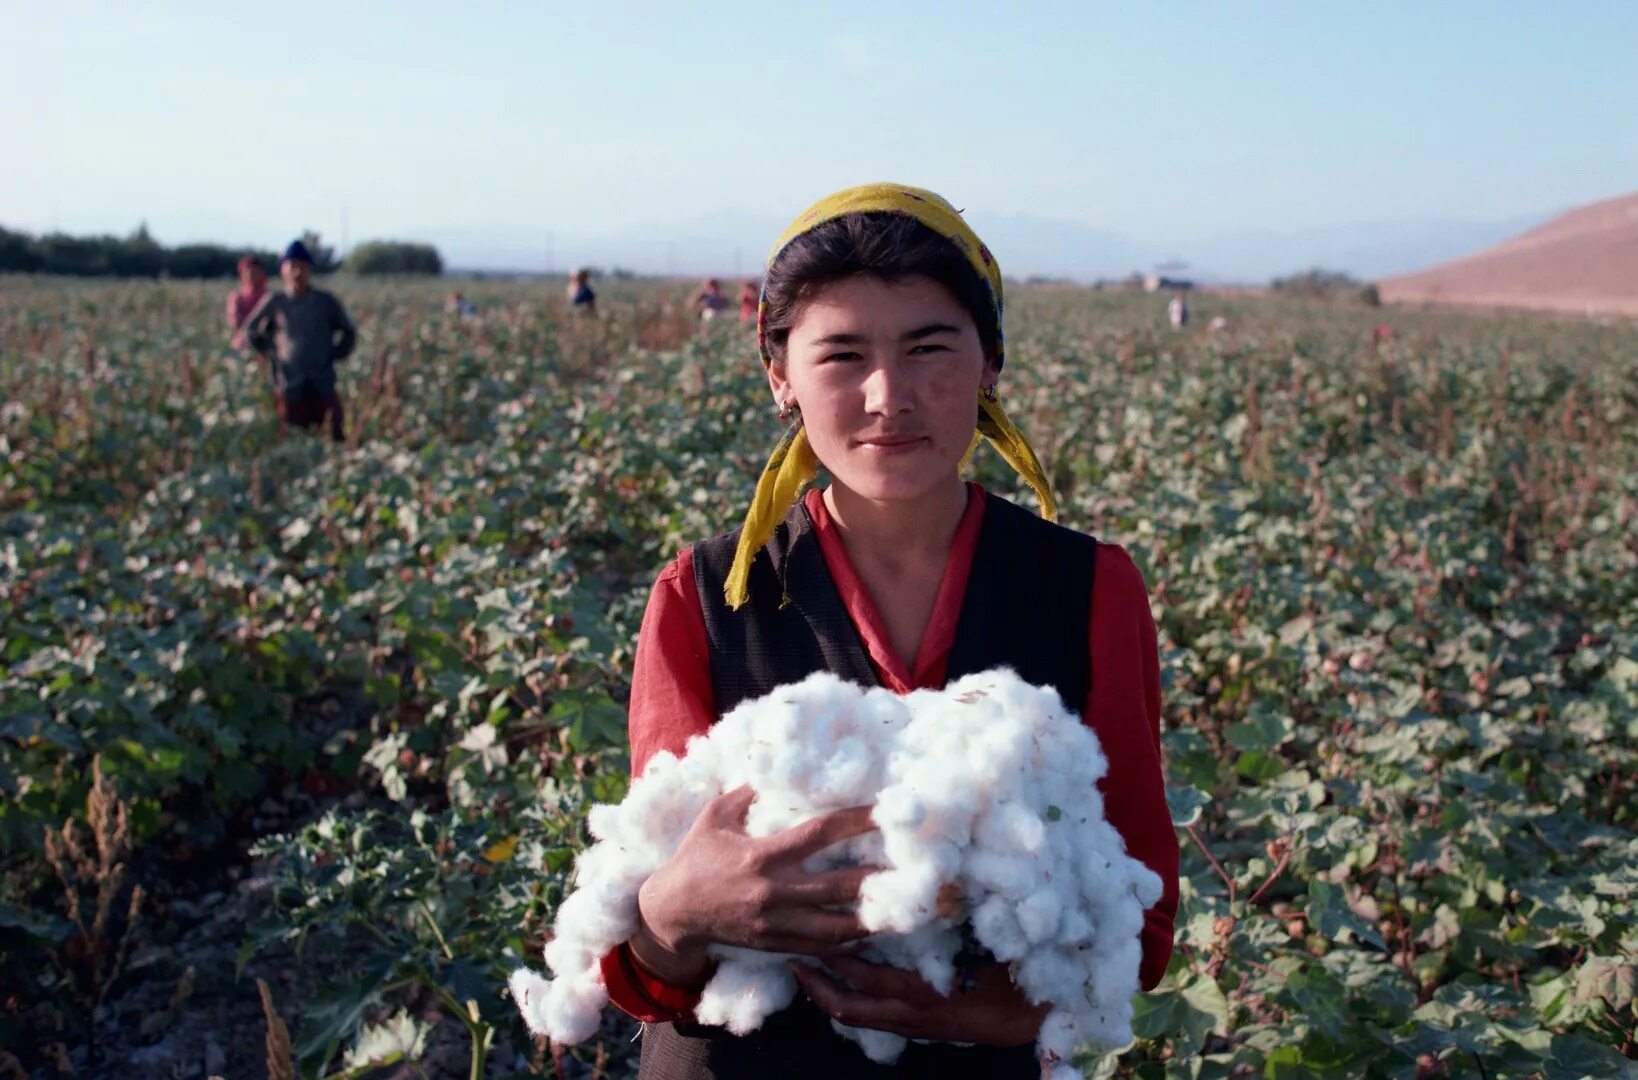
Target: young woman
[[880, 327]]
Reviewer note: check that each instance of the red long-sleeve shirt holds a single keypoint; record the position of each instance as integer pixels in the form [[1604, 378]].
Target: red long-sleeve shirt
[[672, 701]]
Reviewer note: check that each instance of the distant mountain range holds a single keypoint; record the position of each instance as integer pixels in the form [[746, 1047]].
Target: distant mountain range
[[732, 244], [1584, 261]]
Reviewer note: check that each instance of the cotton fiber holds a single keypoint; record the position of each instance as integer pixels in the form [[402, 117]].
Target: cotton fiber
[[985, 790]]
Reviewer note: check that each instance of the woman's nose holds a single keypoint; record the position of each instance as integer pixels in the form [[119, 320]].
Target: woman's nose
[[887, 389]]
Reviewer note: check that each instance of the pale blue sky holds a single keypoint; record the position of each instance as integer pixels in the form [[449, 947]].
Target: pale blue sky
[[1166, 123]]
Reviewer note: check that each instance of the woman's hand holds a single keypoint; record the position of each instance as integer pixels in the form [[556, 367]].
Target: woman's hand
[[993, 1011], [724, 887]]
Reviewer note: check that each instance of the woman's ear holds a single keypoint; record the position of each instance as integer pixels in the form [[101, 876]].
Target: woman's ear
[[779, 383], [991, 375]]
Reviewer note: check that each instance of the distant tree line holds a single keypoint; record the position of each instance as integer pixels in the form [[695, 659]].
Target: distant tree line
[[1318, 284], [140, 255], [394, 257]]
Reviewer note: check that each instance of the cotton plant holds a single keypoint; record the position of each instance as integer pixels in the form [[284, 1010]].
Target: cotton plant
[[985, 790]]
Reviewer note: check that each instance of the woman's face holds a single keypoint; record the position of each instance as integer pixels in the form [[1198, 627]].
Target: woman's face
[[887, 377]]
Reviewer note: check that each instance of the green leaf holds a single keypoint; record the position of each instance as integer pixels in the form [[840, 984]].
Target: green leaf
[[593, 720], [1607, 979], [332, 1016], [1574, 1058], [1264, 730], [1182, 1017], [1330, 914], [468, 981], [1258, 766], [1322, 1001], [1185, 804]]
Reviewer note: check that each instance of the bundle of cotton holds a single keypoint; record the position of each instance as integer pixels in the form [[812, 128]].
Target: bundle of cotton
[[986, 788]]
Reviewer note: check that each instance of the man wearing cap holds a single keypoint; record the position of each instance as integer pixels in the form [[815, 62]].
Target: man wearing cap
[[303, 331]]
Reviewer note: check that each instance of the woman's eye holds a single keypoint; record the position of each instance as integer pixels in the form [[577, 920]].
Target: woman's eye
[[841, 356], [926, 349]]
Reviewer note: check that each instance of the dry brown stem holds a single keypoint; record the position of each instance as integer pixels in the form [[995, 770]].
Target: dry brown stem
[[280, 1061], [100, 870]]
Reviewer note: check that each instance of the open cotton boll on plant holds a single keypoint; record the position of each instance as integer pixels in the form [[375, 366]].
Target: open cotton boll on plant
[[984, 793]]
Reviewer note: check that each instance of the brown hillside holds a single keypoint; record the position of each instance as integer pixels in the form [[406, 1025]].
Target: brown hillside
[[1585, 262]]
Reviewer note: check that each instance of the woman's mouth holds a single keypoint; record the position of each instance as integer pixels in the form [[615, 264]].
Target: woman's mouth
[[891, 444]]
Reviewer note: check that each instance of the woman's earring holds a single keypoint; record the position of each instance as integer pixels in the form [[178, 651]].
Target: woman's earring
[[990, 394], [786, 408]]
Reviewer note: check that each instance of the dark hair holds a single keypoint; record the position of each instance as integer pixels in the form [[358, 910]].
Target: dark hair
[[891, 247]]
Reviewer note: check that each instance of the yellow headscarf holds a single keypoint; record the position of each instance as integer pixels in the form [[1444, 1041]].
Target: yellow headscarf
[[792, 465]]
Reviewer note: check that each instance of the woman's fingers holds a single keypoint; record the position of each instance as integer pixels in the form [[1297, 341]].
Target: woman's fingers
[[853, 1007], [816, 834], [822, 888], [796, 946], [880, 980], [728, 810], [820, 929]]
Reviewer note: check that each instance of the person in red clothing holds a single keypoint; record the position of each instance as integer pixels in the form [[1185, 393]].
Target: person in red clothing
[[243, 300], [881, 333], [749, 294]]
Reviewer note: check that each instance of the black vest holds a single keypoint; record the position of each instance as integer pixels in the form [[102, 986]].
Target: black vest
[[1026, 607]]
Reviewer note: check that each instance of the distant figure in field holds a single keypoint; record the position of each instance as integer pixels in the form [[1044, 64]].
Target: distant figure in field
[[580, 294], [459, 306], [709, 300], [1381, 334], [1217, 325], [303, 331], [750, 294], [1178, 311], [243, 300]]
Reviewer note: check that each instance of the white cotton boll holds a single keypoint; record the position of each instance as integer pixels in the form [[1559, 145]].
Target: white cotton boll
[[996, 927], [1011, 876], [929, 951], [1120, 982], [604, 865], [882, 1047], [574, 1007], [899, 809], [528, 989], [1061, 1032], [1111, 1028], [1119, 921], [1074, 928], [603, 821], [1095, 868], [901, 900], [846, 774], [936, 963], [879, 719], [741, 995], [568, 955], [1039, 914], [866, 849], [1146, 886], [1050, 974], [985, 792], [1010, 827]]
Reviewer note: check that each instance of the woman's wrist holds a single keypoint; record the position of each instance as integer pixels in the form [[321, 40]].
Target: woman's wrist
[[673, 956], [683, 968]]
